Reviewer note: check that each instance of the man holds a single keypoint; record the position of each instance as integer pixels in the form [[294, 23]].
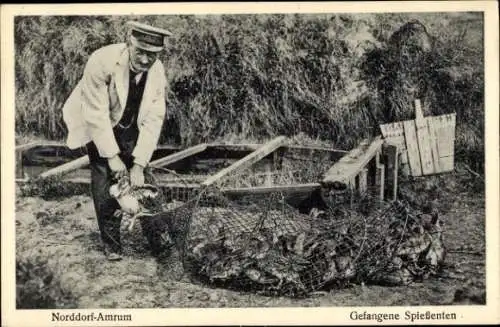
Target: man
[[117, 112]]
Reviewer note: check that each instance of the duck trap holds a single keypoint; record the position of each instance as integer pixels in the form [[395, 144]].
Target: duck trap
[[282, 219]]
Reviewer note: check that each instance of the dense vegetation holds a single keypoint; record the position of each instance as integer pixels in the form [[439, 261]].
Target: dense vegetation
[[333, 78], [249, 77]]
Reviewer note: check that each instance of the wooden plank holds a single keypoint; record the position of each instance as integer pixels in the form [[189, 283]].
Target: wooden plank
[[404, 162], [412, 148], [179, 178], [419, 115], [176, 184], [41, 144], [391, 153], [444, 126], [75, 180], [394, 134], [349, 166], [424, 146], [268, 171], [67, 167], [255, 146], [235, 147], [177, 156], [288, 189], [315, 148], [30, 145], [433, 144], [292, 188], [168, 147], [447, 164], [248, 160]]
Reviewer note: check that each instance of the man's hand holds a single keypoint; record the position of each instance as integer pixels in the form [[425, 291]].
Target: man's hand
[[117, 167], [136, 175]]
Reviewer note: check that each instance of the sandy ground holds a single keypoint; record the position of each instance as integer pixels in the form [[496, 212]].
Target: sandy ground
[[65, 231]]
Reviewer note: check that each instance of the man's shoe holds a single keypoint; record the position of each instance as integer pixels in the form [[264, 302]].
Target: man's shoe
[[112, 255]]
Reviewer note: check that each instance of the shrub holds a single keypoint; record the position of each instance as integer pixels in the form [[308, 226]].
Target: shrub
[[329, 76], [52, 188], [38, 286]]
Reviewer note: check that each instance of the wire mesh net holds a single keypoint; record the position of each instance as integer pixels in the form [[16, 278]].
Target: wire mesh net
[[164, 219], [264, 244], [270, 248]]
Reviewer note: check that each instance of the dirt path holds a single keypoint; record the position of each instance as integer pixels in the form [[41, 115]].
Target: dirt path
[[65, 232]]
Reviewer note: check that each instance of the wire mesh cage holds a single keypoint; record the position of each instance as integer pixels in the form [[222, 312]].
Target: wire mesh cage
[[268, 247], [264, 244], [402, 245]]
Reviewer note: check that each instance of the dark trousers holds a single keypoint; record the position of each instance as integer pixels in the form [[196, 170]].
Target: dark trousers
[[108, 219]]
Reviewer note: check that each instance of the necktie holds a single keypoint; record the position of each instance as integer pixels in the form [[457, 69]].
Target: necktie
[[136, 77]]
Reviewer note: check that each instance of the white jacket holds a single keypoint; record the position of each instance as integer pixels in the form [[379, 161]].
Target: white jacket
[[97, 103]]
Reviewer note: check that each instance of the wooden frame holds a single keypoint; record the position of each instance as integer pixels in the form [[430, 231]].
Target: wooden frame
[[19, 156], [20, 149], [351, 170]]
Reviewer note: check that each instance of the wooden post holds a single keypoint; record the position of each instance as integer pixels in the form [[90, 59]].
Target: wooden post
[[391, 153], [380, 176], [19, 164], [269, 177], [362, 181], [403, 161], [351, 191], [277, 155], [424, 145]]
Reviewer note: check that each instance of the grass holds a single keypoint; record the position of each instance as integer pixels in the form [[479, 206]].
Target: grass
[[38, 286], [332, 77], [52, 188]]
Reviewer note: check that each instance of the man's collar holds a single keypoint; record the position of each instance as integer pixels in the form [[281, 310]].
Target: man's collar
[[132, 68]]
